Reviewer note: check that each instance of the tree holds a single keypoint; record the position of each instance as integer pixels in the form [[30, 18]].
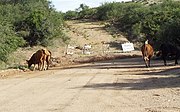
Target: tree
[[28, 22]]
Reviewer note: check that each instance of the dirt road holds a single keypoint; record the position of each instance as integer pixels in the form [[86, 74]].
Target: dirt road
[[123, 85]]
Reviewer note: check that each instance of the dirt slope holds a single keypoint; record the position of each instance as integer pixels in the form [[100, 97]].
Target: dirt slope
[[94, 33], [103, 44]]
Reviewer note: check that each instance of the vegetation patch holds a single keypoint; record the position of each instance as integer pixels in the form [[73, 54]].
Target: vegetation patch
[[28, 23], [158, 21]]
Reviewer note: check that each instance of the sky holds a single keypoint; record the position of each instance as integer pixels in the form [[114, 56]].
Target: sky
[[65, 5]]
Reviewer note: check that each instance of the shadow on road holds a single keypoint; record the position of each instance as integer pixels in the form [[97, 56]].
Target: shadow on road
[[136, 63], [143, 83], [158, 76], [139, 84]]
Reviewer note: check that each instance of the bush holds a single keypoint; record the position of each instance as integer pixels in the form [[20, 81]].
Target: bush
[[41, 25], [70, 15], [9, 41], [83, 12]]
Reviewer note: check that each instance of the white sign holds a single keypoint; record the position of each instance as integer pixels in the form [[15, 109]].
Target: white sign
[[86, 49], [87, 46], [127, 47], [70, 50]]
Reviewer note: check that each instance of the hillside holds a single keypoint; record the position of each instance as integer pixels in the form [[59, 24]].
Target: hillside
[[80, 33], [103, 44]]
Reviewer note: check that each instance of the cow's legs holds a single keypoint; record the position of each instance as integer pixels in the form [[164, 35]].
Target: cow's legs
[[43, 65], [39, 66], [146, 60], [149, 62], [164, 59], [176, 62], [146, 63], [48, 61], [34, 67], [176, 58], [47, 65], [165, 62], [44, 62]]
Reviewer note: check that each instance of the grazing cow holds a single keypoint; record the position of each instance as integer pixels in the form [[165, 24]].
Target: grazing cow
[[37, 58], [167, 50], [40, 57], [147, 53]]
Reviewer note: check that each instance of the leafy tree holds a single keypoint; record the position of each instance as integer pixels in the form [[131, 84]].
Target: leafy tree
[[41, 24], [71, 15], [28, 22], [9, 41]]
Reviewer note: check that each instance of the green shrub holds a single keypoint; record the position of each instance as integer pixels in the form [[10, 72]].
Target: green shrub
[[70, 15], [40, 24], [160, 22], [8, 41]]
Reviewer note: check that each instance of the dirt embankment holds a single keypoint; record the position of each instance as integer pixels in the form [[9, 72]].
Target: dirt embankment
[[104, 46]]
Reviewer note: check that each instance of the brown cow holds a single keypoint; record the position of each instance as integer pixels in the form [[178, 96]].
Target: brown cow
[[40, 57], [36, 58], [147, 53]]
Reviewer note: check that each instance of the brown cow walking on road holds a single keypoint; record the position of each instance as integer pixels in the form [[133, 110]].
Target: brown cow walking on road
[[147, 53]]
